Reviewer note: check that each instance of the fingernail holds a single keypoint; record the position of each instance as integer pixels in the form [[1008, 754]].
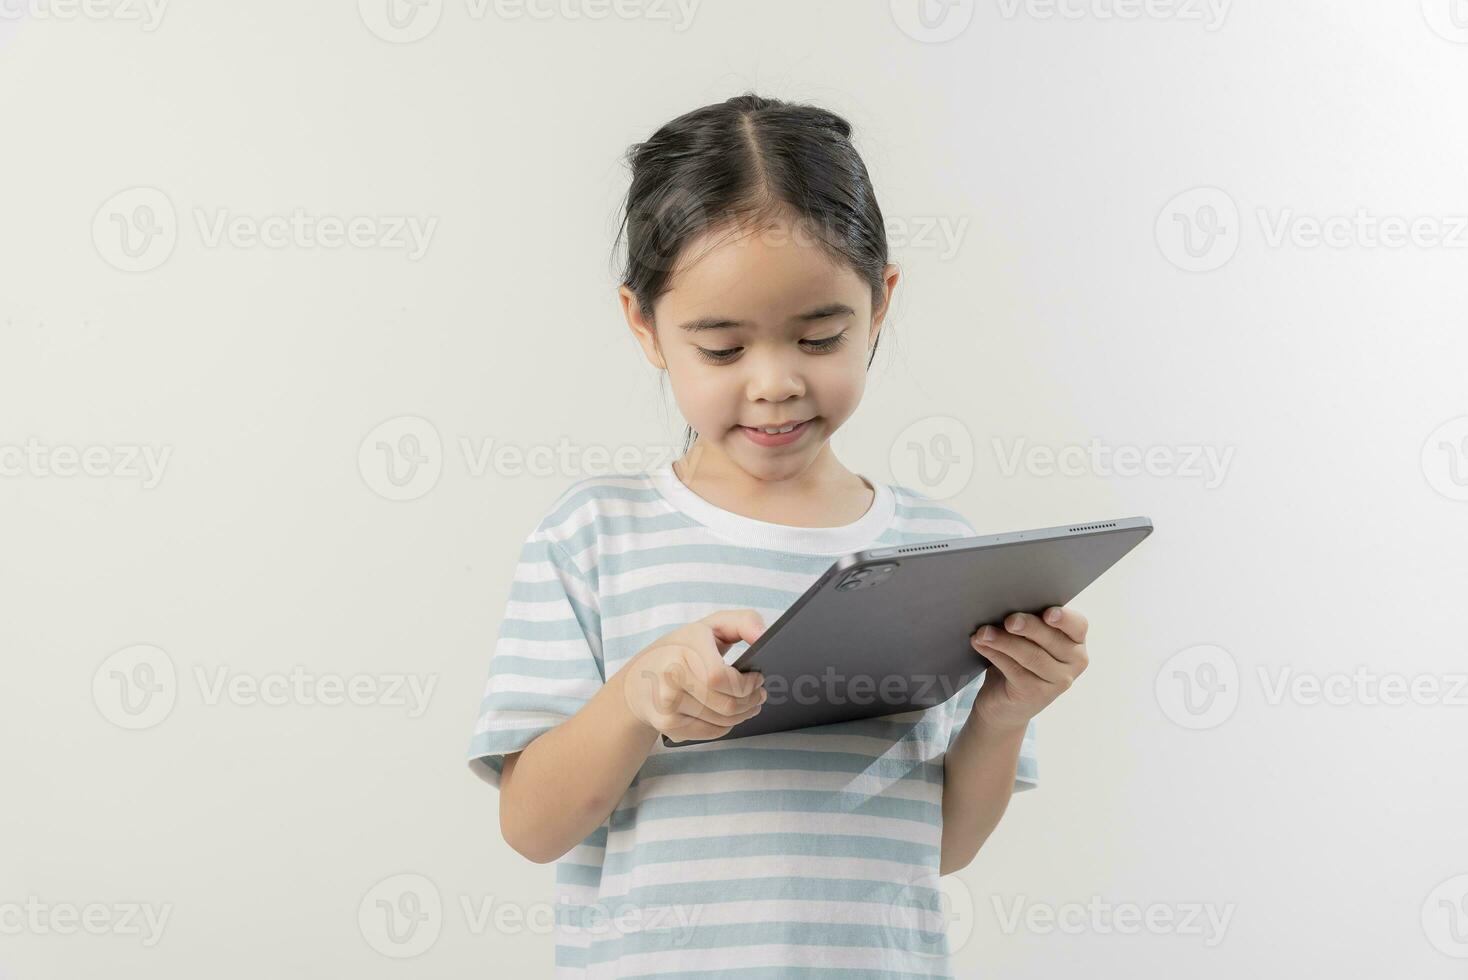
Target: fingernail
[[1018, 623], [1052, 615], [987, 633]]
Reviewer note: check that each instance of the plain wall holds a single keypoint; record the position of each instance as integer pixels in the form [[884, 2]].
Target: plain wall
[[1104, 225]]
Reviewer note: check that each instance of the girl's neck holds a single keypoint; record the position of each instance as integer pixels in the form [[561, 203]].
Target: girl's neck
[[824, 494]]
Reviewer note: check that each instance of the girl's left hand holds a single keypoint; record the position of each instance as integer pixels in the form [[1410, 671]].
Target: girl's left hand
[[1035, 662]]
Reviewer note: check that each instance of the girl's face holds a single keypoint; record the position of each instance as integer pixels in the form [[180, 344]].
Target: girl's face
[[762, 328]]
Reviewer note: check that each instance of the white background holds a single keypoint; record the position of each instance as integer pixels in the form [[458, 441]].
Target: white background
[[1053, 142]]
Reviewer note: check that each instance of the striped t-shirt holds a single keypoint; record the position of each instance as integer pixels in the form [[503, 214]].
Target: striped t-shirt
[[803, 853]]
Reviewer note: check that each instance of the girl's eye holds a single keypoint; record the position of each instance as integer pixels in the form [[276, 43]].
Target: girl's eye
[[717, 355], [828, 343], [822, 346]]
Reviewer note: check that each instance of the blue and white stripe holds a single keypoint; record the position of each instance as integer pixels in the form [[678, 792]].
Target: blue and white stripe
[[805, 853]]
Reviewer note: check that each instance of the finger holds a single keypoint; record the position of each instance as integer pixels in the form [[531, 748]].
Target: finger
[[713, 683], [722, 676], [1006, 665], [1029, 655], [691, 716], [705, 671], [674, 706], [694, 730], [730, 626], [730, 680], [715, 705], [1069, 622], [1059, 645], [691, 709]]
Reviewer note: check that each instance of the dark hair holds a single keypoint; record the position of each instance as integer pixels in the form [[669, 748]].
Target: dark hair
[[747, 159]]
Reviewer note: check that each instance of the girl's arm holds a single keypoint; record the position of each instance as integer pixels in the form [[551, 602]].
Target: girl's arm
[[565, 783], [1035, 659], [978, 780]]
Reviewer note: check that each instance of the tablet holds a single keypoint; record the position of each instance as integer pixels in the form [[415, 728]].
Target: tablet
[[887, 630]]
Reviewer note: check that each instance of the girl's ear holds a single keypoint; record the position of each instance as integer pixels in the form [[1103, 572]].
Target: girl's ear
[[891, 274], [645, 332]]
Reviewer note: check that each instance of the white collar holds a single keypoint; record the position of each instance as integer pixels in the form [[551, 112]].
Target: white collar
[[856, 536]]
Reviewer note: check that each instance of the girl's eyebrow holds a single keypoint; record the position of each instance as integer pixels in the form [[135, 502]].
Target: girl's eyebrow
[[717, 323]]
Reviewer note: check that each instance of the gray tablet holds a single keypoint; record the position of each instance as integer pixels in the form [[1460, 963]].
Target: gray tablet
[[887, 630]]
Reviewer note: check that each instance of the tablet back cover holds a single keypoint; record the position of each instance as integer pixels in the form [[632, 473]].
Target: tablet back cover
[[898, 641]]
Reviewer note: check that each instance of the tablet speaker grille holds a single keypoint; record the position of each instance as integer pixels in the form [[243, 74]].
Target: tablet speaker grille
[[1092, 527], [920, 547]]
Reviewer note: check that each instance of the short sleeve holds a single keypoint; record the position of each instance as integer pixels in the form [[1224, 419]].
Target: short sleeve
[[547, 661], [1027, 776]]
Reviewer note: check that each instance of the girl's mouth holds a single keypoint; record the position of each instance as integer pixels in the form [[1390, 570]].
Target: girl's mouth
[[762, 438]]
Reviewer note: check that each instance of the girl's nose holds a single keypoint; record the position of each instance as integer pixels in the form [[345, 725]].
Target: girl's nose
[[774, 379]]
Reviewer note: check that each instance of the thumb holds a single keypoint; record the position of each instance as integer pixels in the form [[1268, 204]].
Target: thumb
[[729, 626]]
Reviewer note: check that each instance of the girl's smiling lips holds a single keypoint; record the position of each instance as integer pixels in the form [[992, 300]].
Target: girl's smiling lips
[[761, 438]]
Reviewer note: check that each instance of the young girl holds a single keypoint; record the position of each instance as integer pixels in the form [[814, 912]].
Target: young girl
[[757, 277]]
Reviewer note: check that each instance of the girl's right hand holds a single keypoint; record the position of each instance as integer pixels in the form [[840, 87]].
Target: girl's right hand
[[680, 685]]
